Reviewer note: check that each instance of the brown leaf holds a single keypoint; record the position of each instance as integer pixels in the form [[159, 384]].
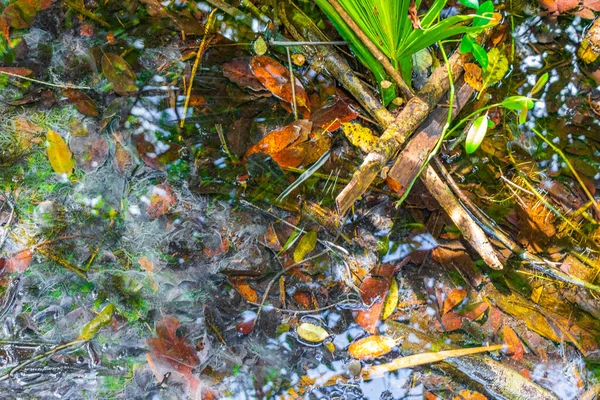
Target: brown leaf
[[276, 78], [515, 348], [334, 113], [18, 262], [412, 14], [82, 102], [454, 298], [120, 75], [373, 291], [90, 152], [172, 349], [566, 5], [585, 13], [17, 71], [162, 199], [240, 284], [473, 312], [123, 160], [473, 76], [238, 71], [21, 14]]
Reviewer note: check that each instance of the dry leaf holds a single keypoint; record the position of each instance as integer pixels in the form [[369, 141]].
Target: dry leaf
[[566, 5], [360, 136], [412, 14], [311, 333], [90, 151], [451, 321], [17, 262], [371, 347], [59, 154]]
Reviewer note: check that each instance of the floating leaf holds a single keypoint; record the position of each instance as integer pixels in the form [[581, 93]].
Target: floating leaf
[[333, 114], [515, 348], [119, 74], [455, 297], [517, 103], [276, 78], [82, 102], [373, 291], [306, 245], [359, 136], [89, 330], [311, 333], [59, 154], [473, 76], [476, 133], [391, 301], [371, 347]]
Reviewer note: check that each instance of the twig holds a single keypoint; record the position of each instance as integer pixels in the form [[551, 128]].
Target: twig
[[385, 62], [305, 43], [203, 46], [293, 83], [56, 85]]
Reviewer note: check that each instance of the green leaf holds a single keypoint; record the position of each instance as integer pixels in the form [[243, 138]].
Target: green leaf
[[305, 246], [480, 55], [484, 12], [470, 3], [523, 114], [466, 44], [539, 85], [496, 69], [517, 103], [476, 133], [89, 330]]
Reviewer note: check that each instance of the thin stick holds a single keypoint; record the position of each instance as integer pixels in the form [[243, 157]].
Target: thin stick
[[56, 85], [203, 46], [385, 62], [308, 43], [293, 83]]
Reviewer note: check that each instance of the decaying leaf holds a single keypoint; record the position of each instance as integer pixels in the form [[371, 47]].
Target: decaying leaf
[[373, 291], [331, 115], [371, 347], [454, 298], [311, 333], [21, 14], [59, 154], [391, 300], [473, 76], [82, 102], [162, 199], [16, 71], [90, 152], [89, 330], [276, 78], [589, 50], [515, 348], [451, 321], [118, 72], [240, 284], [306, 244], [360, 136]]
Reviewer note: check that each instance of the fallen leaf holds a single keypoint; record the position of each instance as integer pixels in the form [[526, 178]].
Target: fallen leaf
[[373, 291], [473, 76], [515, 348], [123, 160], [360, 136], [245, 322], [592, 4], [391, 300], [156, 153], [473, 312], [162, 199], [311, 333], [333, 114], [82, 102], [454, 298], [469, 395], [120, 75], [306, 244], [90, 152], [276, 78], [91, 329], [371, 347], [240, 284], [21, 14], [238, 71], [59, 154]]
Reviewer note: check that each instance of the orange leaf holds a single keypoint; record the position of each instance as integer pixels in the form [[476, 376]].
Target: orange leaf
[[473, 76], [451, 321], [17, 71], [240, 284], [373, 291], [469, 395], [566, 5], [18, 262], [515, 348], [162, 199], [455, 297], [276, 78]]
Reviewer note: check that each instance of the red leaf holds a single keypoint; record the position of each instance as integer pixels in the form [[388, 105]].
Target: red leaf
[[451, 321], [18, 262], [373, 291], [246, 322], [276, 78], [171, 349]]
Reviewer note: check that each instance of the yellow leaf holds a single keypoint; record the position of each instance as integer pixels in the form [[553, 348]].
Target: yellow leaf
[[306, 245], [359, 136], [311, 333], [89, 330], [391, 300], [61, 158], [371, 347]]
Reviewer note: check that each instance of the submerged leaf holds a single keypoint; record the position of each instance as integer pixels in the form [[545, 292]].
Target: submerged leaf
[[473, 76], [306, 245], [59, 154], [371, 347], [89, 330], [82, 102], [311, 333], [469, 395], [120, 75]]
